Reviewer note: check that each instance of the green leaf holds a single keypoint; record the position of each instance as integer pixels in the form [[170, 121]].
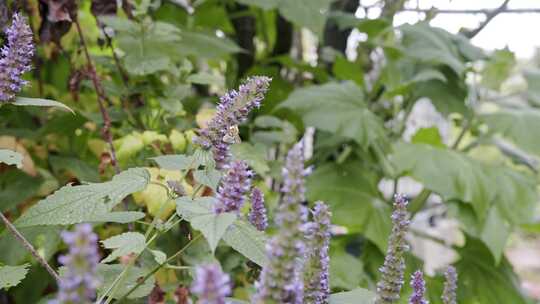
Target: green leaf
[[498, 68], [82, 170], [311, 14], [462, 178], [430, 136], [264, 4], [346, 271], [16, 186], [201, 216], [86, 203], [346, 70], [175, 162], [338, 108], [351, 192], [205, 45], [357, 296], [159, 256], [124, 244], [253, 155], [516, 125], [11, 158], [44, 239], [208, 177], [533, 85], [247, 240], [12, 275], [206, 78], [25, 101], [480, 282], [108, 273]]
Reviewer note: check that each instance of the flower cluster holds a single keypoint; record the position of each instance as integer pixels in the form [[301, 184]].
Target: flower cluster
[[234, 187], [392, 271], [281, 279], [419, 288], [257, 214], [79, 282], [317, 288], [16, 58], [232, 110], [450, 286], [211, 285]]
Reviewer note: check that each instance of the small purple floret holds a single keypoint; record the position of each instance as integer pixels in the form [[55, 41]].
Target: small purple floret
[[211, 285], [418, 286], [257, 214], [234, 187]]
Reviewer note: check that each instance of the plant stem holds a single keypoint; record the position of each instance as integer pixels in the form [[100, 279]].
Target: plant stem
[[29, 247], [158, 267]]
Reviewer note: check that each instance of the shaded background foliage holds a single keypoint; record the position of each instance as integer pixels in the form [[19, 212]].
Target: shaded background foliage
[[159, 66]]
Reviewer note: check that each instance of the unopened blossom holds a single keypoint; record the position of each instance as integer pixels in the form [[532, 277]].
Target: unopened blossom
[[450, 286], [317, 288], [232, 110], [211, 285], [257, 215], [392, 271], [16, 57], [79, 281], [418, 286], [281, 280], [234, 187]]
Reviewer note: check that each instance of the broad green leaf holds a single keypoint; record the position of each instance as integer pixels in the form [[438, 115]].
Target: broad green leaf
[[207, 177], [480, 282], [346, 70], [430, 136], [12, 275], [122, 217], [16, 187], [108, 273], [338, 108], [85, 203], [533, 85], [175, 162], [311, 14], [462, 178], [247, 240], [498, 68], [346, 271], [44, 239], [264, 4], [124, 244], [206, 78], [253, 155], [159, 256], [351, 192], [357, 296], [202, 217], [203, 158], [11, 157], [448, 97], [516, 125], [25, 101], [205, 45], [82, 170], [372, 27]]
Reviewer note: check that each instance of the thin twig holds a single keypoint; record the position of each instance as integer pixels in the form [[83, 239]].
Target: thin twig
[[106, 132], [29, 247], [489, 17]]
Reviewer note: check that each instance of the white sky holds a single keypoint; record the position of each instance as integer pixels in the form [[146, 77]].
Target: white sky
[[520, 32]]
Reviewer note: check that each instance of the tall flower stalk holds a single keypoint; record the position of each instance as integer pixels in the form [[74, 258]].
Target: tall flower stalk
[[418, 286], [316, 277], [234, 187], [281, 279], [211, 285], [232, 110], [392, 271], [257, 215], [79, 281], [16, 58], [450, 286]]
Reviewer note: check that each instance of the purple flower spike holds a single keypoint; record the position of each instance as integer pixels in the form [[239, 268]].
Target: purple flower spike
[[234, 187], [419, 288], [257, 214], [16, 57], [450, 286], [281, 280], [79, 282], [232, 110], [211, 285], [317, 289], [389, 286]]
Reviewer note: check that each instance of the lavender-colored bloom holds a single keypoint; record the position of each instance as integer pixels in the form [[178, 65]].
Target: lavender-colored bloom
[[232, 110], [16, 57], [419, 288], [389, 287], [233, 188], [211, 285], [257, 214], [450, 286], [79, 281], [281, 280], [316, 276]]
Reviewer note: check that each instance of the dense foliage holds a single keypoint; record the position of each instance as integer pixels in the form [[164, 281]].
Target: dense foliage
[[134, 175]]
